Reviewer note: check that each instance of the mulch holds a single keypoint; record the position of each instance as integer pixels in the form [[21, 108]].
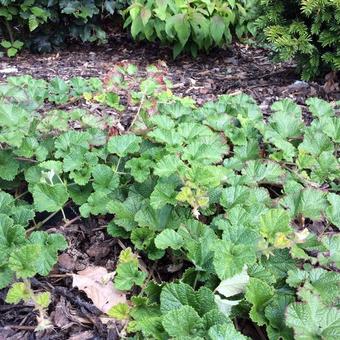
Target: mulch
[[241, 68]]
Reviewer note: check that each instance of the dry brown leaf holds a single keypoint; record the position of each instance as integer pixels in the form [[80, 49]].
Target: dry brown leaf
[[97, 283]]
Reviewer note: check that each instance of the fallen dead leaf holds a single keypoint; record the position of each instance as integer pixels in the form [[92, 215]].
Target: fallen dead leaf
[[97, 283], [86, 335]]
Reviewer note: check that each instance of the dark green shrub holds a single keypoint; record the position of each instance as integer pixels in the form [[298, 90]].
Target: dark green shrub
[[305, 30], [190, 25], [43, 24]]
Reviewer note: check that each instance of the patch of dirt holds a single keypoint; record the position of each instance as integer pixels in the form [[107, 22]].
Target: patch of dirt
[[240, 68], [72, 313]]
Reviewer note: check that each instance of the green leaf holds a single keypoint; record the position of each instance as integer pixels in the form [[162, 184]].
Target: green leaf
[[259, 294], [214, 317], [140, 168], [217, 27], [97, 203], [18, 44], [119, 311], [173, 296], [332, 245], [11, 52], [79, 194], [320, 281], [22, 215], [275, 313], [49, 197], [230, 258], [333, 210], [313, 320], [49, 244], [182, 28], [6, 202], [319, 107], [315, 142], [188, 319], [6, 276], [142, 237], [23, 261], [279, 263], [169, 238], [224, 332], [145, 15], [257, 171], [127, 275], [9, 166], [5, 44], [43, 299], [105, 180], [17, 293], [125, 211], [273, 223], [11, 236], [164, 193], [286, 119], [308, 202], [156, 219], [124, 145], [235, 195], [168, 165]]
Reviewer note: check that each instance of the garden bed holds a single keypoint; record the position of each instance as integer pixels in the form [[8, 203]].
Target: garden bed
[[240, 69]]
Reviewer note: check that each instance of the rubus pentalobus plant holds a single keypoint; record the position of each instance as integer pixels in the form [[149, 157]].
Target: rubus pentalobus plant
[[237, 214]]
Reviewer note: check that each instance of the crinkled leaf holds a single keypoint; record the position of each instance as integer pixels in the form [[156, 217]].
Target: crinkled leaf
[[274, 222], [188, 319], [169, 238], [49, 244], [224, 332], [229, 258], [24, 260], [124, 145], [313, 320], [17, 293], [105, 180], [333, 210], [49, 197], [259, 294], [127, 275]]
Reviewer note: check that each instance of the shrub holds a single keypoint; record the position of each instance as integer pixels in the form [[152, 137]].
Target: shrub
[[305, 30], [189, 25], [44, 24]]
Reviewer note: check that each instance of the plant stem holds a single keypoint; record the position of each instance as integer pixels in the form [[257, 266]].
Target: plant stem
[[118, 163], [64, 216], [9, 30], [21, 195], [137, 114], [40, 224]]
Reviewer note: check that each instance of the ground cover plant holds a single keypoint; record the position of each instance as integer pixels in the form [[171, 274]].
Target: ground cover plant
[[243, 207]]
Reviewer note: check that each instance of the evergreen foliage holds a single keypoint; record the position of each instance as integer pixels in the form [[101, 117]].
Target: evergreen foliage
[[305, 30]]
